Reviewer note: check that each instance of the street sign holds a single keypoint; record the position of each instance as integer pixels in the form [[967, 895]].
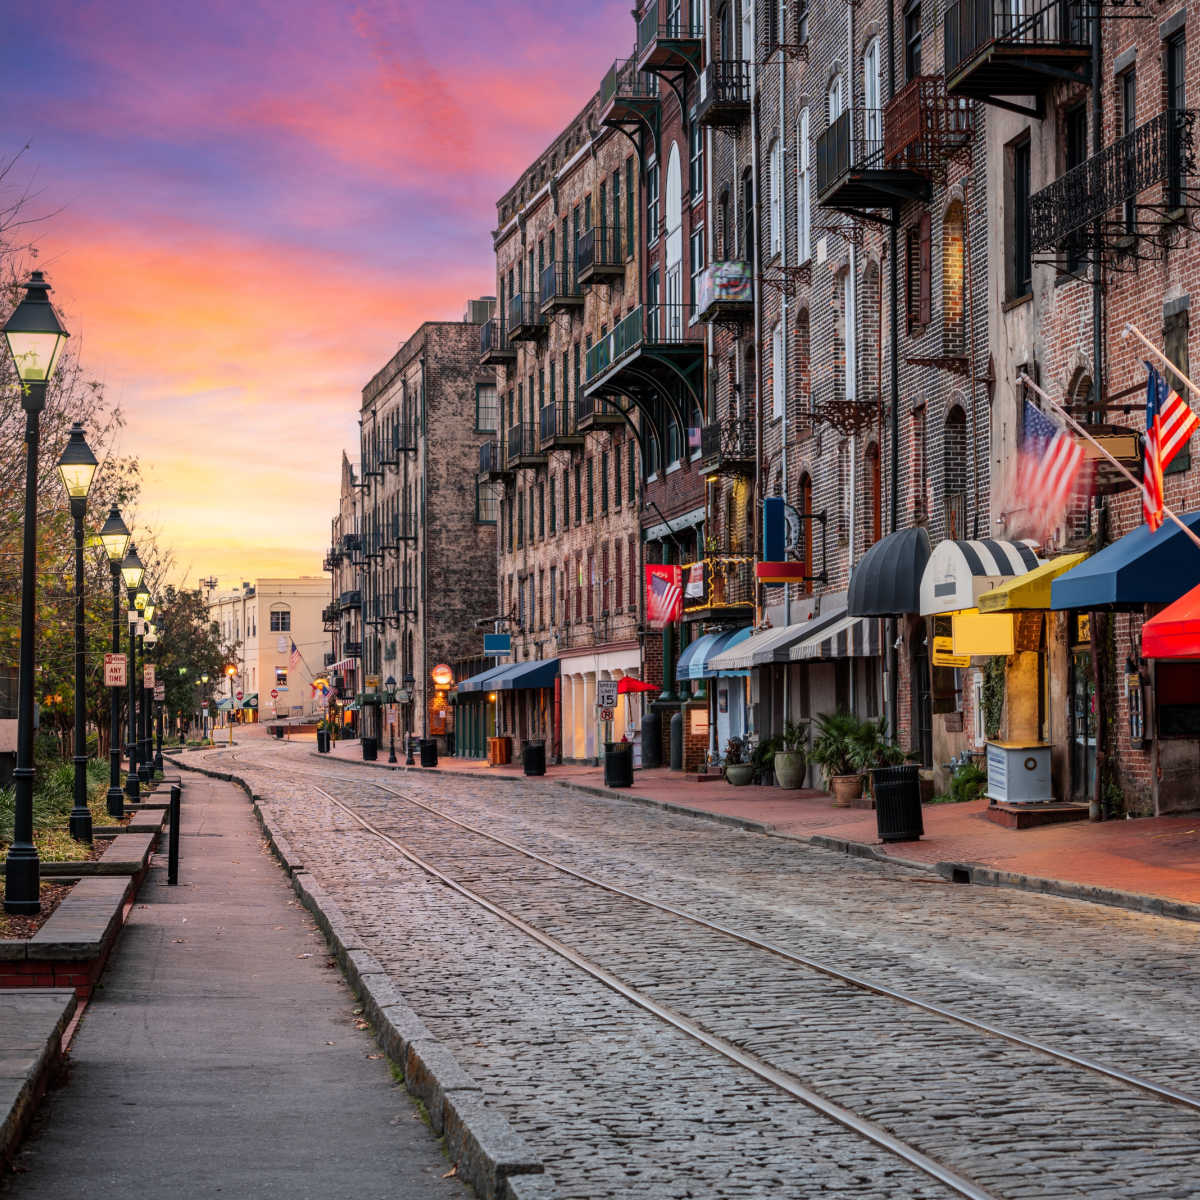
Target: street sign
[[606, 714], [148, 675], [274, 693], [160, 691], [239, 695], [944, 656], [115, 670], [606, 693], [497, 643]]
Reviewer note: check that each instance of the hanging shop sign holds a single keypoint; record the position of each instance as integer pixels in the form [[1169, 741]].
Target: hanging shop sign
[[944, 656]]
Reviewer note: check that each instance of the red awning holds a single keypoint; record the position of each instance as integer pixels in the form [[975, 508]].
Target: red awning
[[1175, 632]]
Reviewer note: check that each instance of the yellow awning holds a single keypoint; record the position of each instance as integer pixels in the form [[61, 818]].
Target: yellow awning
[[977, 633], [1031, 590]]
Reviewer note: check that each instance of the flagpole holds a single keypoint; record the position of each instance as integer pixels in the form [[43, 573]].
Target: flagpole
[[1058, 408], [1130, 327]]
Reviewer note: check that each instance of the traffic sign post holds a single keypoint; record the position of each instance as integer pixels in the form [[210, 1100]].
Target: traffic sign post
[[606, 694]]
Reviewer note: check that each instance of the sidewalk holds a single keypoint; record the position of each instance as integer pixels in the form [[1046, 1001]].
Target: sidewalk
[[1155, 857], [219, 1055]]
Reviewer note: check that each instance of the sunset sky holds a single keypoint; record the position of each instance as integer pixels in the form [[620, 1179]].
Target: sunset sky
[[249, 204]]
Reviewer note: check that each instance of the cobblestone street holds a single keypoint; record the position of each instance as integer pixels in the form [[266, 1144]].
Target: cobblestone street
[[618, 1102]]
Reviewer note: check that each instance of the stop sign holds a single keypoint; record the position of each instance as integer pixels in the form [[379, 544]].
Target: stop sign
[[239, 695], [274, 694]]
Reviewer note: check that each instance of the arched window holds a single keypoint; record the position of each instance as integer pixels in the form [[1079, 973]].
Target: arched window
[[724, 47], [872, 107], [778, 372], [835, 99], [954, 472], [803, 186], [674, 248], [873, 530], [806, 530], [803, 362], [747, 216], [954, 323], [775, 170]]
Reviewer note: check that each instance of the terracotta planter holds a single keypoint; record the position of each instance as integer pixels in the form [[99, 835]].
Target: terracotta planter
[[790, 767], [845, 788], [739, 774]]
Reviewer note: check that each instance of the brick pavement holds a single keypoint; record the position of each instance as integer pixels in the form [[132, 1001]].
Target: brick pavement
[[1157, 856]]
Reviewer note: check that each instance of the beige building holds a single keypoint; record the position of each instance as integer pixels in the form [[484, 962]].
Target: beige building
[[264, 619]]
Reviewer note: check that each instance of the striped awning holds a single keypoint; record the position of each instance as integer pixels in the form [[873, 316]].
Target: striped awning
[[849, 637], [341, 664], [959, 572]]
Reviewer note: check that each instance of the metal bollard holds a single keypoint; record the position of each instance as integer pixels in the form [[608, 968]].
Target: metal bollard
[[173, 838]]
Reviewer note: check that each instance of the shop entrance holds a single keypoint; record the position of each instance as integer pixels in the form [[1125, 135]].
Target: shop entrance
[[1081, 719]]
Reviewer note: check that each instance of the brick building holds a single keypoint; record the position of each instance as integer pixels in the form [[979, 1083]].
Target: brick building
[[428, 563], [565, 467], [342, 616]]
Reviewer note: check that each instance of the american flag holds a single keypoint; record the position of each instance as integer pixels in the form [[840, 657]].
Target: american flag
[[1169, 424], [1048, 469], [294, 658], [664, 594]]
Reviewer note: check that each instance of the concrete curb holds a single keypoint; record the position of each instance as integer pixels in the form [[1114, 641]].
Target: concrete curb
[[491, 1156], [954, 872]]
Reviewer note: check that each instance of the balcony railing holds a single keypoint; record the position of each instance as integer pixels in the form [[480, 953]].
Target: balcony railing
[[351, 599], [591, 412], [329, 658], [525, 319], [970, 26], [330, 614], [524, 449], [599, 254], [402, 527], [922, 124], [726, 292], [849, 143], [664, 325], [718, 581], [352, 649], [560, 287], [728, 444], [403, 601], [666, 32], [351, 543], [626, 90], [724, 93], [1160, 152], [405, 437], [494, 346], [492, 459]]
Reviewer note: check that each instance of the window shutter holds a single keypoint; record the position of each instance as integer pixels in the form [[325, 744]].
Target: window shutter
[[925, 304]]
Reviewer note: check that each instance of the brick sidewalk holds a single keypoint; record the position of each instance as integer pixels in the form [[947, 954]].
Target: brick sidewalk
[[1157, 856]]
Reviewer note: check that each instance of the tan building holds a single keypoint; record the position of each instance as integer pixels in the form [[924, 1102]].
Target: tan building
[[264, 620]]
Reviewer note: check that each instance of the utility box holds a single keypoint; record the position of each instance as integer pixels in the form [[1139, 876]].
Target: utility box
[[1019, 773]]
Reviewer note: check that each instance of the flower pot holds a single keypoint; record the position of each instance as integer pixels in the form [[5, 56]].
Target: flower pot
[[845, 788], [790, 766], [739, 774]]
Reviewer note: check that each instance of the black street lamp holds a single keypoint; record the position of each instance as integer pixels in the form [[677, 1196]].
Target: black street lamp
[[204, 707], [76, 469], [114, 537], [146, 754], [141, 602], [409, 684], [34, 336], [132, 572], [390, 686], [153, 708]]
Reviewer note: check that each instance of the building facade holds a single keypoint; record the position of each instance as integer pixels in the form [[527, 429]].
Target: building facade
[[342, 616]]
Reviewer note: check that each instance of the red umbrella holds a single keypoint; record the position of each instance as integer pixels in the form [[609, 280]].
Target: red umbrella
[[628, 683]]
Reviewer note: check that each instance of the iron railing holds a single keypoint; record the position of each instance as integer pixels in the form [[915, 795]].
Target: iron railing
[[523, 442], [493, 337], [623, 81], [728, 441], [970, 25], [1159, 152], [351, 649], [598, 248], [524, 315], [491, 458], [557, 420], [351, 599], [404, 436], [660, 325], [725, 84], [674, 26], [330, 614], [559, 283], [403, 601], [922, 124], [853, 142]]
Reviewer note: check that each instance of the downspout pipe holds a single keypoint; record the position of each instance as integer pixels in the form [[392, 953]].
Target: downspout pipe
[[893, 688]]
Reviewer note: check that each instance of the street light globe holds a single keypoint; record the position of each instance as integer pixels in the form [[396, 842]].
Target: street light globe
[[204, 677], [149, 610], [132, 570], [231, 670], [151, 639], [77, 466], [34, 333], [141, 599], [114, 536]]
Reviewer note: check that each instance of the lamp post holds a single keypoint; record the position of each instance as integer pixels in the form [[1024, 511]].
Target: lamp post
[[34, 336], [114, 537], [131, 573], [153, 712], [76, 469], [140, 603], [409, 684], [231, 674], [390, 688], [204, 707]]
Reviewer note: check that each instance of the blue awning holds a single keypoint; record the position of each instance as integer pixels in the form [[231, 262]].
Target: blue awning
[[693, 662], [538, 673], [1139, 568], [484, 681], [694, 655]]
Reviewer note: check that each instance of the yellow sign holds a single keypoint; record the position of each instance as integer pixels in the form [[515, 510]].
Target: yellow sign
[[982, 633], [944, 656]]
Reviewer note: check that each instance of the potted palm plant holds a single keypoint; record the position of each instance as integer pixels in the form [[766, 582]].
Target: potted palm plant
[[791, 762], [872, 750], [833, 751], [739, 770]]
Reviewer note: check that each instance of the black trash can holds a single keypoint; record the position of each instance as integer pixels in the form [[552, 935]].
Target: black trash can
[[898, 803], [322, 741], [618, 764], [533, 758], [370, 749], [429, 752]]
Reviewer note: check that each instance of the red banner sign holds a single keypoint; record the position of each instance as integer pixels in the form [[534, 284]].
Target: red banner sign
[[664, 594]]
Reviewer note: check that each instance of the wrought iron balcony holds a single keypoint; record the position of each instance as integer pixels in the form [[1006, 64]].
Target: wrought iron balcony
[[852, 172], [727, 447], [352, 649], [494, 347], [524, 450], [330, 615], [329, 658], [525, 319], [405, 437], [923, 125], [599, 255], [628, 96], [492, 461], [718, 585], [724, 94], [332, 558], [592, 413], [351, 543], [389, 451], [726, 293], [662, 341], [350, 599], [557, 427], [400, 602], [998, 48], [667, 39], [560, 288], [1158, 154], [402, 527]]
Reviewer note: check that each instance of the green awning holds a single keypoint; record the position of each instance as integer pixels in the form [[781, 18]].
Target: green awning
[[369, 698], [251, 701]]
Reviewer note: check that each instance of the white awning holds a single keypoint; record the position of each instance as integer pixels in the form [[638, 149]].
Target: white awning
[[958, 573], [848, 637], [770, 645]]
